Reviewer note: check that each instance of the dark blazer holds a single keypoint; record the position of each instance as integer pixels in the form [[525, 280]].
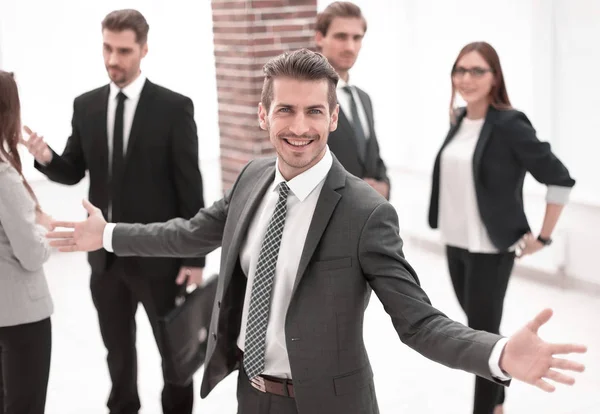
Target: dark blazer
[[353, 246], [342, 142], [507, 149], [162, 176]]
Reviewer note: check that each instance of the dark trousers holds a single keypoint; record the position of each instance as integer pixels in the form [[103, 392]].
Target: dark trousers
[[480, 281], [25, 367], [116, 294], [253, 401]]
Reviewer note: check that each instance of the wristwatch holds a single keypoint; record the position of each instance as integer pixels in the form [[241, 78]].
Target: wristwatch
[[545, 242]]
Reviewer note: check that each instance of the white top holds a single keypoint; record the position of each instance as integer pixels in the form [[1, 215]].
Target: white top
[[460, 222], [301, 203], [132, 92], [344, 101]]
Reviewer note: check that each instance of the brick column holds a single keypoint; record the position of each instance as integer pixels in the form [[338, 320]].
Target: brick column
[[247, 33]]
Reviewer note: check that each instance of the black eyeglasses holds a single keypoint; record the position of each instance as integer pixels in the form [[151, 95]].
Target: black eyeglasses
[[476, 72]]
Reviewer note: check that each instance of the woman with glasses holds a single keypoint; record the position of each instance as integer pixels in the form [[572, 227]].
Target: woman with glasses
[[25, 303], [477, 195]]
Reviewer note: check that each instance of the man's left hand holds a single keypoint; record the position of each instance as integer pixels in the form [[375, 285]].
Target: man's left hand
[[528, 358], [380, 186], [193, 275]]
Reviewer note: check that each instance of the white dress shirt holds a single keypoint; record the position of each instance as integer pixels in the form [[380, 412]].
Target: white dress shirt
[[344, 101], [302, 200], [301, 203], [132, 92]]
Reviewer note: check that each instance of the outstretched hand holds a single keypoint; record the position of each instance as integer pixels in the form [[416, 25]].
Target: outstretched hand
[[528, 358], [86, 236]]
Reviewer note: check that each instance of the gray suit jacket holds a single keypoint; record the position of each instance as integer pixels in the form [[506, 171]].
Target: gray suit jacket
[[353, 246], [342, 143], [24, 295]]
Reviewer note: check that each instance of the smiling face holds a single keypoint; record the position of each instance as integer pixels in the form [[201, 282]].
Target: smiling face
[[298, 121], [473, 78]]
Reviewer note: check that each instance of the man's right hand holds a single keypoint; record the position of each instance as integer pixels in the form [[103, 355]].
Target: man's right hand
[[37, 147], [86, 235]]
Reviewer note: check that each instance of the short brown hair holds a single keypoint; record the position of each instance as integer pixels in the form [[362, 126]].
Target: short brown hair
[[338, 9], [127, 19], [301, 64]]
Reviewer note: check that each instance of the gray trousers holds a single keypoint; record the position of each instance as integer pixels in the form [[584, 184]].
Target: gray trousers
[[253, 401]]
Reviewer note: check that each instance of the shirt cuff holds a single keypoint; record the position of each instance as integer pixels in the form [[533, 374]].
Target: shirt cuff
[[558, 195], [494, 361], [107, 236]]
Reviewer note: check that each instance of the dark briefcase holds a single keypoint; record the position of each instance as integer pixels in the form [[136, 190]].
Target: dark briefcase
[[184, 333]]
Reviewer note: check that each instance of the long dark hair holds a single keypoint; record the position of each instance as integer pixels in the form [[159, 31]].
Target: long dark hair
[[10, 126], [498, 95]]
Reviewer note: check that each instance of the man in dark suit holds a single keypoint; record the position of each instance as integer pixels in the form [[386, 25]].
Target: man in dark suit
[[340, 29], [138, 141], [303, 245]]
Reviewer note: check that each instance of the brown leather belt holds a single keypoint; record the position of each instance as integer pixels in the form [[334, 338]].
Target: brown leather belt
[[272, 385]]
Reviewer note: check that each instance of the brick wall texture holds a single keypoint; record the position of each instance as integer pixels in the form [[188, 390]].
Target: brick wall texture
[[247, 33]]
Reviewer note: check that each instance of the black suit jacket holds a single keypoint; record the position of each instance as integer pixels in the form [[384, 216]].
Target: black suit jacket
[[507, 149], [342, 142], [162, 176]]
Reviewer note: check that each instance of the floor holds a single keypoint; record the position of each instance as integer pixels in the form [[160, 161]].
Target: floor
[[405, 381]]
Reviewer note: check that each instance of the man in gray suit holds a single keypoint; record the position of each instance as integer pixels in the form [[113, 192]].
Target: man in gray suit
[[303, 244]]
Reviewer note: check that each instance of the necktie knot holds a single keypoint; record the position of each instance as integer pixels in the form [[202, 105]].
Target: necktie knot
[[284, 189], [347, 89], [121, 97]]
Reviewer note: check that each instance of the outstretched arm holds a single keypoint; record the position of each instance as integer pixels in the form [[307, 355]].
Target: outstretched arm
[[525, 357], [178, 237]]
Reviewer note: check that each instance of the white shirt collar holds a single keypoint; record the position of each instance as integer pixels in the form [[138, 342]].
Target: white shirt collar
[[342, 83], [132, 91], [303, 184]]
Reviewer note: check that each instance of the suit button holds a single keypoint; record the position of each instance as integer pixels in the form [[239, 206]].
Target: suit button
[[219, 304], [214, 336]]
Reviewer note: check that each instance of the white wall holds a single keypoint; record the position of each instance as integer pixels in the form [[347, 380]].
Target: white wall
[[548, 50], [55, 49], [550, 58]]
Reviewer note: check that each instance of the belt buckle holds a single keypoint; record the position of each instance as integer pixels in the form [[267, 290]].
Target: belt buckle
[[258, 382]]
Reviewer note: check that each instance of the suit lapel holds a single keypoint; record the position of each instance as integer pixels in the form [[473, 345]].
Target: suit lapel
[[256, 195], [346, 130], [366, 103], [454, 127], [328, 200], [371, 154], [484, 137], [140, 117], [99, 144]]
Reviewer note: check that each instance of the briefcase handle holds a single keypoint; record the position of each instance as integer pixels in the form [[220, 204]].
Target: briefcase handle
[[182, 293]]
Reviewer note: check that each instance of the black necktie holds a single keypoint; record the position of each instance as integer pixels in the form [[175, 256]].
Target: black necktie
[[116, 176], [359, 132]]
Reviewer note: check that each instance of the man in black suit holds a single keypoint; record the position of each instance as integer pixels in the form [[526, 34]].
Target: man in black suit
[[138, 141], [340, 29]]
